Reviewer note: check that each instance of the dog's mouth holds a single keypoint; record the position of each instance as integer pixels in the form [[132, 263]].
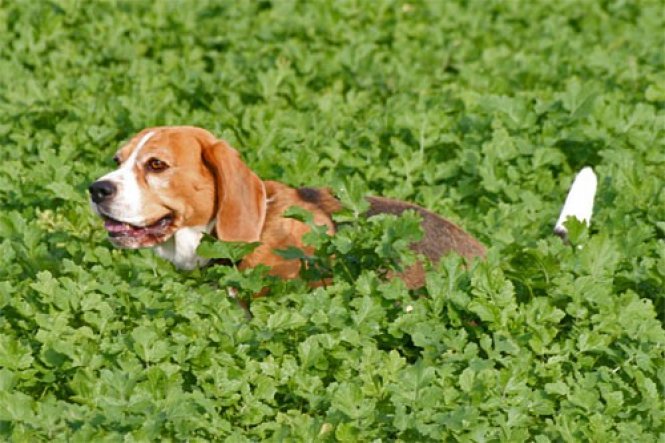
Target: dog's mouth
[[130, 236], [117, 228]]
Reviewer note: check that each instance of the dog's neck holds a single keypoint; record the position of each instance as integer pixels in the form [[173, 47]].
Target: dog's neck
[[180, 249]]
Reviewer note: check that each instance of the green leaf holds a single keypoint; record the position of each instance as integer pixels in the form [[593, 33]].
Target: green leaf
[[298, 213], [559, 388], [64, 191], [148, 346], [234, 251], [349, 400], [291, 253], [466, 380], [285, 320]]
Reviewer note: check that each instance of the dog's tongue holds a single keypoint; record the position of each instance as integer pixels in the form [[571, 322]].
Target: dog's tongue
[[116, 227]]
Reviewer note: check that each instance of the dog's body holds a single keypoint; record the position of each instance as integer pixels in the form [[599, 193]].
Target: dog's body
[[174, 184]]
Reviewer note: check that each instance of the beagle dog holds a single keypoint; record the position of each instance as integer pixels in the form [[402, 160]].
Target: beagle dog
[[175, 183]]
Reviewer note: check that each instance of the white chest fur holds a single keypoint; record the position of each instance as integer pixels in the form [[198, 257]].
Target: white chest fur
[[180, 249]]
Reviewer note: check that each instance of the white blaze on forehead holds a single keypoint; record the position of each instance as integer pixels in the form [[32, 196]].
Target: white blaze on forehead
[[132, 158], [128, 203], [579, 203]]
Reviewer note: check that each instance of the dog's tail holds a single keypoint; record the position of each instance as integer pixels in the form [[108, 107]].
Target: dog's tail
[[579, 202]]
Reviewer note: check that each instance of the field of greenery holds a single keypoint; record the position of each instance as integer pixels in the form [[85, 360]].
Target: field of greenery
[[482, 111]]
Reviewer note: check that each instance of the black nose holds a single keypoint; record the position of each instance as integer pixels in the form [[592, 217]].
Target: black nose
[[101, 190]]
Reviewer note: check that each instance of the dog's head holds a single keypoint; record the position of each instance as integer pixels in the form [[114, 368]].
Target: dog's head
[[170, 178]]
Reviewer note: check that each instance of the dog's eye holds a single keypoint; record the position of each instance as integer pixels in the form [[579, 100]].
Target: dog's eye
[[116, 159], [156, 165]]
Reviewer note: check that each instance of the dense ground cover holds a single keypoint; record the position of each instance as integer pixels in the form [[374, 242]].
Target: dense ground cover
[[481, 111]]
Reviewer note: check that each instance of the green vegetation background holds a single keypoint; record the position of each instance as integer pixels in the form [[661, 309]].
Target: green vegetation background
[[481, 111]]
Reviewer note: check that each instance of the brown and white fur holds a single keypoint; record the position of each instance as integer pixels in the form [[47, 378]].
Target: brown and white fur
[[173, 184]]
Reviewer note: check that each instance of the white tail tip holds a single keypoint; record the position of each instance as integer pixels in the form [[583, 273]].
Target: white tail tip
[[579, 202]]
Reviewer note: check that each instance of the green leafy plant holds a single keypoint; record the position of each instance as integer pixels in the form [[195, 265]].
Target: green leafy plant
[[480, 111]]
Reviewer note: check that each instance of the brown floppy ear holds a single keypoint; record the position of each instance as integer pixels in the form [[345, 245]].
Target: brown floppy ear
[[241, 195]]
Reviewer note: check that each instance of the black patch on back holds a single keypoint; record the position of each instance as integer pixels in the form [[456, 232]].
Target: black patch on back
[[310, 195]]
